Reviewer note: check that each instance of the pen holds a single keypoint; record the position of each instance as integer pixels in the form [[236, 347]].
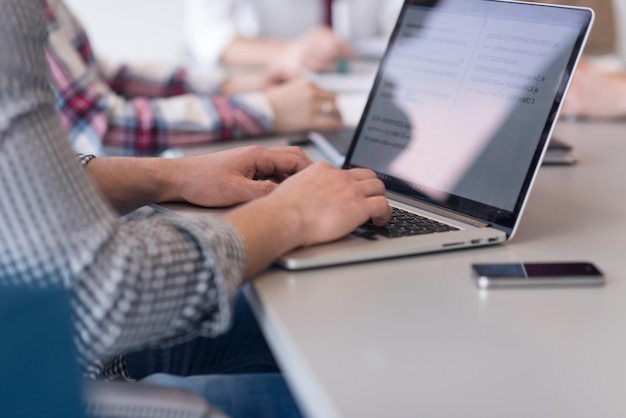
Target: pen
[[343, 66]]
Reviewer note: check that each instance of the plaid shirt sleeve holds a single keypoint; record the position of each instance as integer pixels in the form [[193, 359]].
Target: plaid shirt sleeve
[[121, 110], [157, 81], [144, 282]]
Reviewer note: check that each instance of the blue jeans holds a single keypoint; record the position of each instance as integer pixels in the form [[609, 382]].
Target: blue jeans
[[258, 395], [242, 349], [235, 372]]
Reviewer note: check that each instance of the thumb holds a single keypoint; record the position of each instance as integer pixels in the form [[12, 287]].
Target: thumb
[[253, 189]]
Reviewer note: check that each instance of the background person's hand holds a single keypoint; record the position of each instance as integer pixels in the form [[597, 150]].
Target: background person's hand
[[300, 105], [596, 92], [255, 80], [318, 49], [230, 177]]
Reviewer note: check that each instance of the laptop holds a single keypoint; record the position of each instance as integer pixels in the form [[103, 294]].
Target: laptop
[[457, 123]]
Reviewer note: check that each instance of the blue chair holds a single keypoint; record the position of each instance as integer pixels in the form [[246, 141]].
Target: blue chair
[[40, 378]]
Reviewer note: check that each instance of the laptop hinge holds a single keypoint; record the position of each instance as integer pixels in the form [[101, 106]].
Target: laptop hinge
[[438, 210]]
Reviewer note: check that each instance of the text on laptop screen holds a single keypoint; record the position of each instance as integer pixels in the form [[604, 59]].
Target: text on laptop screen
[[462, 100]]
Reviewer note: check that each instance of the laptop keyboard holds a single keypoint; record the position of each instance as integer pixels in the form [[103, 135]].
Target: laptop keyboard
[[402, 224]]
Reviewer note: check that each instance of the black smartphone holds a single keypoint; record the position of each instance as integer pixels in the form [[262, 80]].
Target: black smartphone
[[489, 276], [559, 153]]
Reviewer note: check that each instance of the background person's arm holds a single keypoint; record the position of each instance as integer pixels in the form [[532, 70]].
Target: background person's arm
[[138, 125], [213, 39], [316, 49], [252, 52], [96, 114], [596, 92]]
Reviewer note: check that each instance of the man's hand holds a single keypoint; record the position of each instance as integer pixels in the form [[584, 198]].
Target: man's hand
[[255, 81], [322, 203], [300, 105], [318, 49], [230, 177], [330, 202]]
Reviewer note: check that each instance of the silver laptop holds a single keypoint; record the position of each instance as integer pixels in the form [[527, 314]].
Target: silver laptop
[[457, 123]]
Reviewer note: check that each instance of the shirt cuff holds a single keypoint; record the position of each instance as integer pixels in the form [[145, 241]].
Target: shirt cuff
[[85, 158], [258, 104]]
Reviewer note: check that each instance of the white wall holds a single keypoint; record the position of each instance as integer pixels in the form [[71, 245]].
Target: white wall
[[133, 30]]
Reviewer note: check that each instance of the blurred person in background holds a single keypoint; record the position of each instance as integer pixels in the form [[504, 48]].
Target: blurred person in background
[[143, 110], [291, 35], [596, 92]]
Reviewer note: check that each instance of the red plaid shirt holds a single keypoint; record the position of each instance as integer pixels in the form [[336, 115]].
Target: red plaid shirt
[[139, 111]]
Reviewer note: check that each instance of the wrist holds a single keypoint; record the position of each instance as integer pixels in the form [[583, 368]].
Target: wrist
[[166, 175], [283, 220], [130, 182], [269, 229]]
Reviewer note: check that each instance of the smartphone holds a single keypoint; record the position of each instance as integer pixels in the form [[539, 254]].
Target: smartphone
[[502, 275]]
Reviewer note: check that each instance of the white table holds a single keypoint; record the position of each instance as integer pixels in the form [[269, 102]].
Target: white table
[[413, 337]]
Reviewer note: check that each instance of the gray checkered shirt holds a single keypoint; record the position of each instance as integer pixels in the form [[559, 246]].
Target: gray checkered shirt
[[144, 282]]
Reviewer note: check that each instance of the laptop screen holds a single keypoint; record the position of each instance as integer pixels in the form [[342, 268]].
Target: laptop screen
[[464, 102]]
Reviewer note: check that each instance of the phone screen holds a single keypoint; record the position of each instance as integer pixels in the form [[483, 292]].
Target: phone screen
[[536, 269], [536, 274]]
